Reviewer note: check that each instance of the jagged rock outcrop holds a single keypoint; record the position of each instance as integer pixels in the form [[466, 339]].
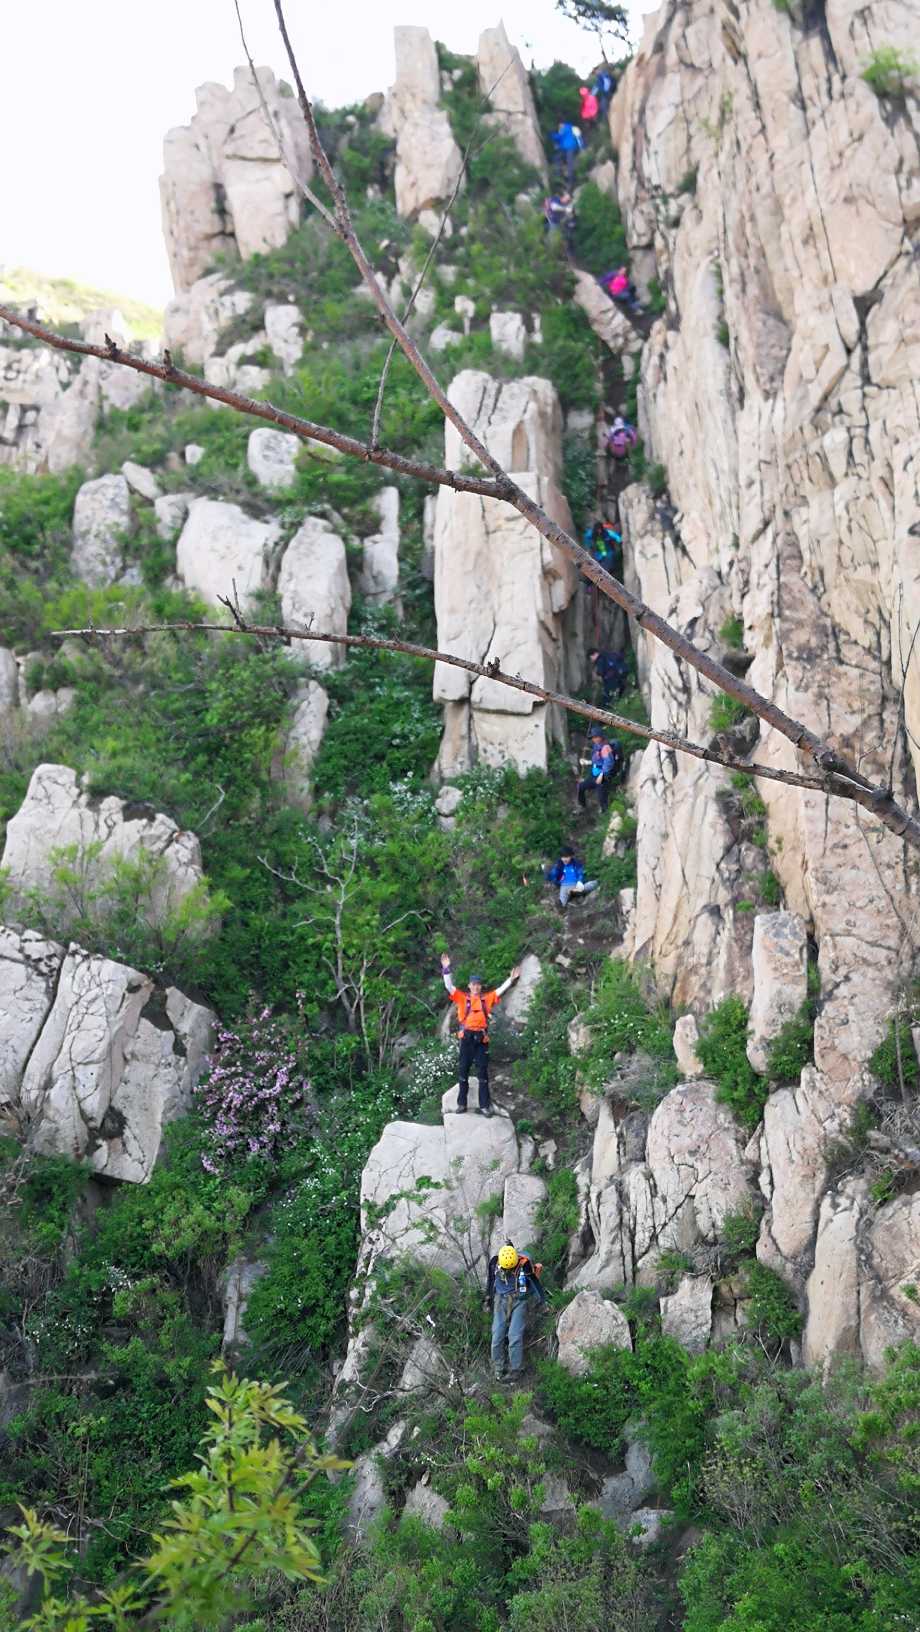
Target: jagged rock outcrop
[[96, 1058], [501, 590], [503, 79], [315, 592], [380, 572], [780, 966], [221, 547], [58, 822], [49, 404], [778, 393], [270, 455], [302, 744], [589, 1322], [225, 187], [428, 160], [101, 519], [604, 316]]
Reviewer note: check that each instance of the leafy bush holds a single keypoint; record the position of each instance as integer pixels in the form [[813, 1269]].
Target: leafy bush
[[621, 1020], [771, 1311], [794, 1045], [583, 1583], [558, 1217], [887, 71], [884, 1061], [722, 1047], [546, 1069], [726, 711], [657, 299], [657, 478], [600, 236]]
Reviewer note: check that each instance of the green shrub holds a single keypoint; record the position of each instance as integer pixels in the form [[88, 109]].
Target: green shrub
[[600, 236], [657, 480], [726, 711], [546, 1068], [794, 1045], [887, 71], [657, 299], [739, 1232], [558, 1217], [771, 1312], [722, 1047], [884, 1061], [585, 1582], [732, 633], [621, 1021], [723, 336]]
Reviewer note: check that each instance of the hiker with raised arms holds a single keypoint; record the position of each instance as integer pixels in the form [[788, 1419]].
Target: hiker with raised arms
[[473, 1010]]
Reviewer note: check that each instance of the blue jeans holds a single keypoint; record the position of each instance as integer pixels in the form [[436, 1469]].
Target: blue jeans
[[510, 1318], [565, 890]]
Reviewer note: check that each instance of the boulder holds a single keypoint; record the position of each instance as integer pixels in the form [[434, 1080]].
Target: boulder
[[221, 548], [448, 801], [622, 1493], [517, 1003], [94, 835], [101, 519], [428, 160], [282, 328], [505, 81], [141, 481], [195, 320], [271, 457], [9, 681], [832, 1289], [225, 188], [424, 1365], [29, 969], [589, 1322], [380, 572], [171, 511], [695, 1155], [430, 1181], [889, 1279], [315, 592], [115, 1061], [425, 1504], [500, 588], [67, 426], [508, 334], [780, 964], [302, 744], [686, 1315], [686, 1037], [368, 1492], [605, 317]]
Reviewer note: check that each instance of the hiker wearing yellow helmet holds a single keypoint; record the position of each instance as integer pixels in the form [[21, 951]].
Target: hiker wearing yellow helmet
[[514, 1279]]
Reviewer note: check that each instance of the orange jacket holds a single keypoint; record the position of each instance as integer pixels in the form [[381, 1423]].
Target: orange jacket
[[479, 1009]]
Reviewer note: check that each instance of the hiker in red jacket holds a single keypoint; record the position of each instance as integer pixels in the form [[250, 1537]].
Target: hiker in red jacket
[[473, 1010]]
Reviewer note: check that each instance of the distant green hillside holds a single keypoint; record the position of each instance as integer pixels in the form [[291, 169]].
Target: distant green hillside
[[64, 301]]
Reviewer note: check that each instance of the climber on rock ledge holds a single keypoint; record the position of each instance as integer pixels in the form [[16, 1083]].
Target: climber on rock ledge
[[473, 1010]]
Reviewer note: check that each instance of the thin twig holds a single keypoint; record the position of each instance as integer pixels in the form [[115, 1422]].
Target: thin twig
[[828, 784]]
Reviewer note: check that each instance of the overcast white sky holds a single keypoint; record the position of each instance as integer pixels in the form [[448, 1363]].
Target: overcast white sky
[[82, 119]]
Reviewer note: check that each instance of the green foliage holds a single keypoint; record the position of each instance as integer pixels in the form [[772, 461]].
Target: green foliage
[[732, 633], [653, 1383], [600, 236], [726, 711], [739, 1232], [621, 1020], [583, 1583], [400, 726], [722, 1048], [657, 478], [794, 1045], [558, 1217], [771, 1311], [557, 97], [884, 1061], [239, 1522], [545, 1068], [888, 71], [657, 299], [53, 1186], [723, 335], [579, 478]]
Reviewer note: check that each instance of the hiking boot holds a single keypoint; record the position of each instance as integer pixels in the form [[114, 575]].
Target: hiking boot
[[515, 1376], [459, 1110], [486, 1111]]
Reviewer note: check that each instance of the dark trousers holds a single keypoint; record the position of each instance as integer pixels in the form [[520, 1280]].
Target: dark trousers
[[600, 789], [474, 1052], [565, 163], [613, 685]]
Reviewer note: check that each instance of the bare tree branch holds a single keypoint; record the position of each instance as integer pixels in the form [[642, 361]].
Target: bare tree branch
[[875, 799], [838, 776]]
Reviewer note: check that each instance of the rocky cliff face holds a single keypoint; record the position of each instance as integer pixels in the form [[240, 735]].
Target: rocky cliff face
[[777, 196]]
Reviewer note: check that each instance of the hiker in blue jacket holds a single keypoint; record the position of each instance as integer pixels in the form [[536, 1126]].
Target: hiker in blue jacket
[[611, 671], [569, 874], [605, 84], [567, 141], [606, 761]]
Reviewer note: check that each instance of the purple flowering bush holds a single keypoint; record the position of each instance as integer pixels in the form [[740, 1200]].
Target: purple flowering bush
[[255, 1101]]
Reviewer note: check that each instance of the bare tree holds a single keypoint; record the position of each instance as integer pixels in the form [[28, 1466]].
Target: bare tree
[[834, 774]]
